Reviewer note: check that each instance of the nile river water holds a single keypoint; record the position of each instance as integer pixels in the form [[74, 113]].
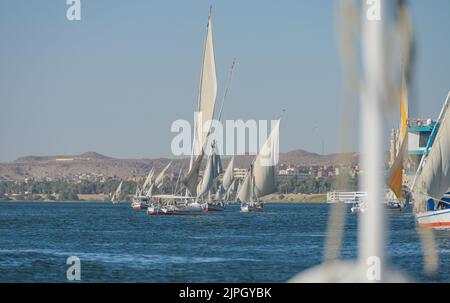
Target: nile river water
[[117, 244]]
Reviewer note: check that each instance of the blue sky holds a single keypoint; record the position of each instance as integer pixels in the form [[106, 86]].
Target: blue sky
[[116, 80]]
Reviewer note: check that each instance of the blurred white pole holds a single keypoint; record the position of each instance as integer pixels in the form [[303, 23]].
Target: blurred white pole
[[373, 99]]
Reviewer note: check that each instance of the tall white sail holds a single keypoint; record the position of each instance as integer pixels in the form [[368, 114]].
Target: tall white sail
[[433, 180], [228, 176], [149, 178], [264, 165], [245, 190], [159, 181], [229, 191], [208, 177], [207, 94], [117, 193], [206, 106]]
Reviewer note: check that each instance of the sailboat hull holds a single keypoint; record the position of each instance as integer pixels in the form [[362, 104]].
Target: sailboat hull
[[248, 208], [434, 219], [174, 210], [138, 205], [213, 207]]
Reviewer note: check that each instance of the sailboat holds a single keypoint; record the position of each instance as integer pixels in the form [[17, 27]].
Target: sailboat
[[188, 204], [395, 198], [116, 196], [140, 200], [208, 192], [260, 179], [431, 186], [218, 201]]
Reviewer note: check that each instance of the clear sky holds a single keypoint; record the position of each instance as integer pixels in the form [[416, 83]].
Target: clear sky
[[116, 80]]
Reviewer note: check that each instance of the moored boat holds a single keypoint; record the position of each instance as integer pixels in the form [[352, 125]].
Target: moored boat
[[252, 207], [260, 179], [439, 219], [432, 182], [139, 203], [174, 210], [211, 206]]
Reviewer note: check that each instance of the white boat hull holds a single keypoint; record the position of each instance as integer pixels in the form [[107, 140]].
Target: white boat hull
[[254, 207], [439, 219], [174, 210]]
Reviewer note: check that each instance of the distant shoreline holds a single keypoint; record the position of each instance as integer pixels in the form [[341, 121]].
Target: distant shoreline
[[270, 199]]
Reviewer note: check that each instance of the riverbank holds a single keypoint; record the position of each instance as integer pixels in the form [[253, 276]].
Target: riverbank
[[273, 198], [295, 198]]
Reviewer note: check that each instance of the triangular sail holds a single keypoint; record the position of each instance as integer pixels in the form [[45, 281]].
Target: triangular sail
[[228, 176], [229, 191], [433, 180], [117, 193], [206, 106], [159, 181], [208, 177], [245, 190], [396, 172], [264, 165], [208, 93], [149, 178]]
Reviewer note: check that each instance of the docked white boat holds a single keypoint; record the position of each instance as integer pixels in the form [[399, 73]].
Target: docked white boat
[[175, 210], [170, 205], [439, 219], [432, 182]]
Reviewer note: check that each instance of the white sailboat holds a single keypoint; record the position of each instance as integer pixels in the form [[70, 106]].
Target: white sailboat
[[260, 179], [116, 196], [140, 200], [431, 185], [188, 204], [208, 193], [206, 107]]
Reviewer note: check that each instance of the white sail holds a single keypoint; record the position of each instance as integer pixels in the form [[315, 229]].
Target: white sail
[[206, 106], [264, 165], [159, 181], [148, 180], [433, 180], [219, 193], [149, 192], [117, 193], [208, 93], [228, 176], [208, 177], [229, 191], [245, 190]]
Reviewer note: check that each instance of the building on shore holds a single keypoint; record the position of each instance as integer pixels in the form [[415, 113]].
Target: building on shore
[[419, 135]]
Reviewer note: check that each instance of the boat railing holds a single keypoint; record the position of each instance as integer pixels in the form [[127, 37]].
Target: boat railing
[[345, 197]]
